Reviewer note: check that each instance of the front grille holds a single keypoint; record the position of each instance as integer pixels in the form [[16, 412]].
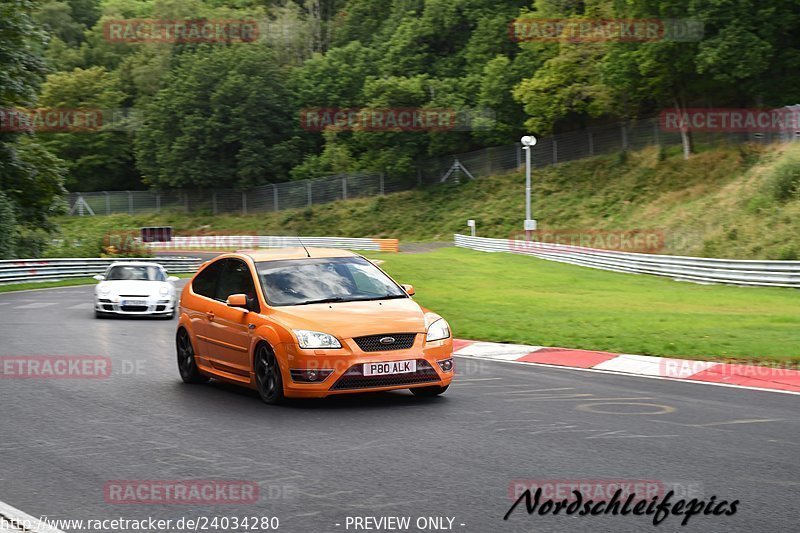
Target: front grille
[[134, 308], [372, 343], [355, 379], [134, 295]]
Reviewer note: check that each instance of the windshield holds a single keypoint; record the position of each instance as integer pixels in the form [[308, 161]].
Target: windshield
[[337, 279], [136, 273]]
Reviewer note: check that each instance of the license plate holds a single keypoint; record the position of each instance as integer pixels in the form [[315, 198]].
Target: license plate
[[391, 367], [134, 302]]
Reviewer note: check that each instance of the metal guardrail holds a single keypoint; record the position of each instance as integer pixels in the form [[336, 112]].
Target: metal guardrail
[[694, 269], [228, 242], [25, 270]]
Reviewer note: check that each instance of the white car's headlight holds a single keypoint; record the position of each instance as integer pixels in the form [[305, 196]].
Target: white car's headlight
[[315, 339], [103, 290], [164, 290], [438, 330]]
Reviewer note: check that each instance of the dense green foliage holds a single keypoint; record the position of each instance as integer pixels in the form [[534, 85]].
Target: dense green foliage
[[227, 113], [30, 176]]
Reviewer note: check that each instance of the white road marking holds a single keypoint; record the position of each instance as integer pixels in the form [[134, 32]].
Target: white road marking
[[86, 305], [713, 424], [12, 518], [655, 366], [35, 305], [496, 351], [753, 421]]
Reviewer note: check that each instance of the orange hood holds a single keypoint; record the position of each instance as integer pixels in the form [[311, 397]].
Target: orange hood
[[354, 319]]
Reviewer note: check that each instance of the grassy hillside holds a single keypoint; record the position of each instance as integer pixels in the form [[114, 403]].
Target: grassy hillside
[[738, 202]]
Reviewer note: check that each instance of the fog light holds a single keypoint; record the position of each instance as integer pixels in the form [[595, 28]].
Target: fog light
[[446, 364], [309, 376]]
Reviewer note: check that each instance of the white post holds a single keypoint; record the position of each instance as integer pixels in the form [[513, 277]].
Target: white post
[[528, 142]]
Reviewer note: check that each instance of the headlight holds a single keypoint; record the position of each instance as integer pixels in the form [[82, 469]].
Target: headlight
[[438, 330], [103, 289], [315, 339], [164, 290]]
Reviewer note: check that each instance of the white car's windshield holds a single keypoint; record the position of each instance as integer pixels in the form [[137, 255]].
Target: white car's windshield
[[338, 279], [136, 273]]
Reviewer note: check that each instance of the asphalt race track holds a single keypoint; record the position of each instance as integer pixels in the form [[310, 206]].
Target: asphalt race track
[[319, 462]]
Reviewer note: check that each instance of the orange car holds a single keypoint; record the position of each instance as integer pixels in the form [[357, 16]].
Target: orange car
[[309, 323]]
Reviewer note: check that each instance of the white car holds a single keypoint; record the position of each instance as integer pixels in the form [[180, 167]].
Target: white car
[[135, 288]]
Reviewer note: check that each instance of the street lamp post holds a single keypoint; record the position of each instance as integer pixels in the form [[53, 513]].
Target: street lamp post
[[528, 142]]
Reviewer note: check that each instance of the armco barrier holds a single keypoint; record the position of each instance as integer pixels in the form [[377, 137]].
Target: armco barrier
[[19, 270], [232, 242], [695, 269]]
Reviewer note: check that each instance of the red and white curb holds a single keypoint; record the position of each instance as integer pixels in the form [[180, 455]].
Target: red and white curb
[[759, 377]]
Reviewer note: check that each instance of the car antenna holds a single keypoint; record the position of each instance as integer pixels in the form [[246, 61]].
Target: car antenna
[[303, 245]]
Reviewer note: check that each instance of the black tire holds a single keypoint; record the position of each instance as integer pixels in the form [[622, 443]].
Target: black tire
[[428, 391], [268, 376], [186, 363], [99, 314]]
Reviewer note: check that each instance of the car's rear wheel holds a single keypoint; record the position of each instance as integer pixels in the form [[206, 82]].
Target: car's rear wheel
[[187, 366], [429, 391], [268, 376]]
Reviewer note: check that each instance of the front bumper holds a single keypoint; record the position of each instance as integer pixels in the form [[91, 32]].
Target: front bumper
[[150, 306], [346, 366]]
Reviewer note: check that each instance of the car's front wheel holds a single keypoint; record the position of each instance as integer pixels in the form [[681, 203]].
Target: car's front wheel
[[429, 391], [187, 366], [268, 376]]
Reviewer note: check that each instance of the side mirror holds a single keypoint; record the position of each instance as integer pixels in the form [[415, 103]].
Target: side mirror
[[99, 277], [409, 289], [173, 278], [238, 300]]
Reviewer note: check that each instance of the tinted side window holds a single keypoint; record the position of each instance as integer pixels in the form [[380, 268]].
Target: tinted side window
[[205, 284], [236, 279]]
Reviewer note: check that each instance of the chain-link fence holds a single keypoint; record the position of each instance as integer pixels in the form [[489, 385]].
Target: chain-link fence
[[272, 197], [559, 148], [573, 145]]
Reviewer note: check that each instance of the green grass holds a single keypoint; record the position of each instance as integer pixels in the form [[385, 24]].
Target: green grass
[[509, 298], [723, 202], [13, 287]]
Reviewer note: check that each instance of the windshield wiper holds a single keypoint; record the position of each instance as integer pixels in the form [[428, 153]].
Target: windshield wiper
[[387, 297], [323, 301]]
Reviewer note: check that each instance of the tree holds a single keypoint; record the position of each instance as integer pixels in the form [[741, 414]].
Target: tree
[[99, 158], [30, 176], [219, 121]]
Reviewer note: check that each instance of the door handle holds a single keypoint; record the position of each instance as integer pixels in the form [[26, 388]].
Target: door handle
[[210, 315]]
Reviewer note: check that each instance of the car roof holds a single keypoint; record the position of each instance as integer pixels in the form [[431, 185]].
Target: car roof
[[277, 254], [135, 263]]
